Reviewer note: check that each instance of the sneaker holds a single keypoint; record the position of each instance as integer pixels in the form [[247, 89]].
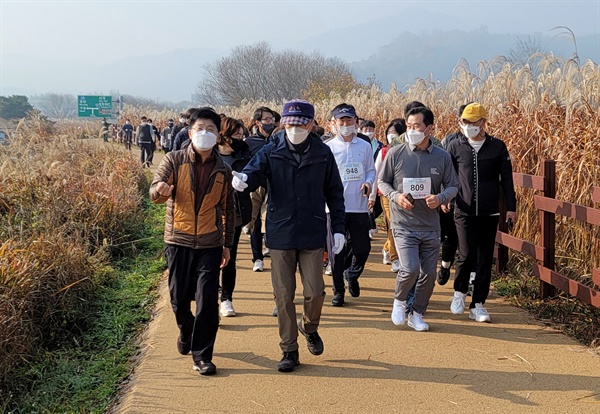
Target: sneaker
[[313, 340], [371, 233], [396, 266], [258, 266], [328, 270], [227, 308], [245, 230], [275, 311], [184, 345], [354, 288], [458, 303], [443, 275], [415, 321], [479, 314], [267, 252], [205, 367], [399, 312], [386, 257], [289, 361], [338, 299]]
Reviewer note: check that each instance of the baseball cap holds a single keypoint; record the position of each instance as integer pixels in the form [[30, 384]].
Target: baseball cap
[[344, 111], [474, 112]]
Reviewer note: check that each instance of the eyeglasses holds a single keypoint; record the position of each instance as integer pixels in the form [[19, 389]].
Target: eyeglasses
[[269, 119]]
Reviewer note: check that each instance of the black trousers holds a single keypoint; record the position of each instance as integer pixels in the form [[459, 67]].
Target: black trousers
[[355, 253], [146, 153], [377, 210], [194, 275], [476, 240], [256, 240], [449, 237], [229, 272]]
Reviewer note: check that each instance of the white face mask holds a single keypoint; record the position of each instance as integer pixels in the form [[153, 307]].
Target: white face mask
[[346, 131], [182, 120], [470, 131], [369, 134], [415, 137], [203, 140], [391, 137], [296, 135]]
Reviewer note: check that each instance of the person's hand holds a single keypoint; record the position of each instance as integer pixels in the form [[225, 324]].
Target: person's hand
[[338, 242], [365, 189], [164, 190], [403, 202], [226, 257], [446, 207], [239, 181], [371, 204], [432, 201], [511, 219]]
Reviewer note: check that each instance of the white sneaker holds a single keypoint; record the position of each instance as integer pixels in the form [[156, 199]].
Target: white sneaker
[[328, 270], [245, 230], [396, 266], [258, 266], [479, 313], [227, 308], [267, 252], [386, 257], [399, 312], [458, 303], [415, 321]]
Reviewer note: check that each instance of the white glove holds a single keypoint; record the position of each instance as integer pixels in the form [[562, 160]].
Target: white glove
[[239, 181], [338, 242]]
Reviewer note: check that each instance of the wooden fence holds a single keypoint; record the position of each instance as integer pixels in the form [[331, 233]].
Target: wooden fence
[[548, 207]]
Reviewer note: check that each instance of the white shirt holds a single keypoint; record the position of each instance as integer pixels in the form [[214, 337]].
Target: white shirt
[[348, 154]]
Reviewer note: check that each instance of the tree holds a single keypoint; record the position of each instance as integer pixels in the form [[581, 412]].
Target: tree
[[56, 106], [15, 106], [521, 54], [257, 72]]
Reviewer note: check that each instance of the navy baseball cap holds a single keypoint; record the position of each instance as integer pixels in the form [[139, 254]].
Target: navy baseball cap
[[344, 111]]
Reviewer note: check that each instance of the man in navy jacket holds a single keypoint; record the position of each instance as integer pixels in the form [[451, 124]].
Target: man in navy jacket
[[301, 175]]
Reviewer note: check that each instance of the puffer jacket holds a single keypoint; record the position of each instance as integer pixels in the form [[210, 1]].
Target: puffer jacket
[[213, 224]]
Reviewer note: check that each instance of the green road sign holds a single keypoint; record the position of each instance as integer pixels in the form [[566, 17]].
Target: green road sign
[[93, 106]]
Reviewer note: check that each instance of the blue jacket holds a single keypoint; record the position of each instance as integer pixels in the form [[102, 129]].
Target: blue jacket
[[298, 192]]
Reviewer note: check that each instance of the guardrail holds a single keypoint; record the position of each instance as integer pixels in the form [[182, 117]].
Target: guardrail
[[548, 207]]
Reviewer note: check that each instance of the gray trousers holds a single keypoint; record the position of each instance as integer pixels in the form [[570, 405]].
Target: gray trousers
[[283, 277], [418, 253]]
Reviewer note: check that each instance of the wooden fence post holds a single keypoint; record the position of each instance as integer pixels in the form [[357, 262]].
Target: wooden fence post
[[548, 225]]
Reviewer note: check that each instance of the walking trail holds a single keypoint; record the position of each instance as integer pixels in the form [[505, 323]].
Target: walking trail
[[513, 365]]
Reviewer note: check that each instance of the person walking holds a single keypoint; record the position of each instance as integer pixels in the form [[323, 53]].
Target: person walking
[[417, 177], [484, 168], [199, 230], [144, 136], [166, 136], [302, 178], [354, 159], [127, 133]]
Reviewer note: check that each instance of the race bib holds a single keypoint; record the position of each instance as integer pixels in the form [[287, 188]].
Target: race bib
[[351, 171], [417, 187]]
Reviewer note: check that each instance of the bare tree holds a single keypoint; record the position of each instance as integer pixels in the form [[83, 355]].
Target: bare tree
[[521, 54], [56, 105], [257, 72]]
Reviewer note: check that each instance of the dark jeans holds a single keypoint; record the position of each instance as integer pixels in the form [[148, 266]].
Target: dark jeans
[[194, 274], [146, 153], [377, 210], [256, 240], [476, 240], [355, 253], [229, 272], [448, 235]]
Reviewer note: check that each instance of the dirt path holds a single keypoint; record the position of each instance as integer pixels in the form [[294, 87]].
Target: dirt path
[[369, 365]]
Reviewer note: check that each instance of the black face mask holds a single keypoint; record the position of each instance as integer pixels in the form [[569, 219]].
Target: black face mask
[[268, 128], [236, 145]]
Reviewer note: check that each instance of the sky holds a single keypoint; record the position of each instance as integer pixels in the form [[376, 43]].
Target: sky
[[136, 46]]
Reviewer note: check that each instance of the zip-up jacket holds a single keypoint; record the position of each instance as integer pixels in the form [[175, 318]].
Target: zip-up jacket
[[481, 175], [213, 224]]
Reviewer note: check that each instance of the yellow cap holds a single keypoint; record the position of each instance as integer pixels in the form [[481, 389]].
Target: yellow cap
[[474, 112]]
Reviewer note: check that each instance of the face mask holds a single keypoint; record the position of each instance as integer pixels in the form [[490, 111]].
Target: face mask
[[203, 140], [296, 135], [182, 120], [470, 131], [369, 134], [268, 128], [236, 145], [391, 137], [415, 137], [346, 130]]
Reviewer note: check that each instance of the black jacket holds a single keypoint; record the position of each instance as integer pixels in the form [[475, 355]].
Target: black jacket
[[298, 192], [242, 201], [481, 175], [256, 142]]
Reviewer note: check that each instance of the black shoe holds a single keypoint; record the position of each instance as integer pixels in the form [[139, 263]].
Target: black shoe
[[184, 347], [313, 340], [289, 361], [443, 275], [354, 288], [338, 299], [205, 367]]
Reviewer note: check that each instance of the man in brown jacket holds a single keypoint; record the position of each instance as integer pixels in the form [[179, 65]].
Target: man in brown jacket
[[199, 227]]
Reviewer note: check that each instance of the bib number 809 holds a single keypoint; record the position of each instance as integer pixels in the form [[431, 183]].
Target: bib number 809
[[417, 187]]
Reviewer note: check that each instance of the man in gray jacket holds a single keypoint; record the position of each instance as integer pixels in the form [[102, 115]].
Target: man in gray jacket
[[412, 177]]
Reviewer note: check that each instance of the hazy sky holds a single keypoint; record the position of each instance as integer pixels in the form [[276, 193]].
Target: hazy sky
[[65, 38]]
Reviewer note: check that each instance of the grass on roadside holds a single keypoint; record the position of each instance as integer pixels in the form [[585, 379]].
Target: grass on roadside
[[83, 373]]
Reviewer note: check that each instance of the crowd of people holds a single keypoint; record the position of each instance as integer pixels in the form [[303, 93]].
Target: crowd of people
[[310, 196]]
